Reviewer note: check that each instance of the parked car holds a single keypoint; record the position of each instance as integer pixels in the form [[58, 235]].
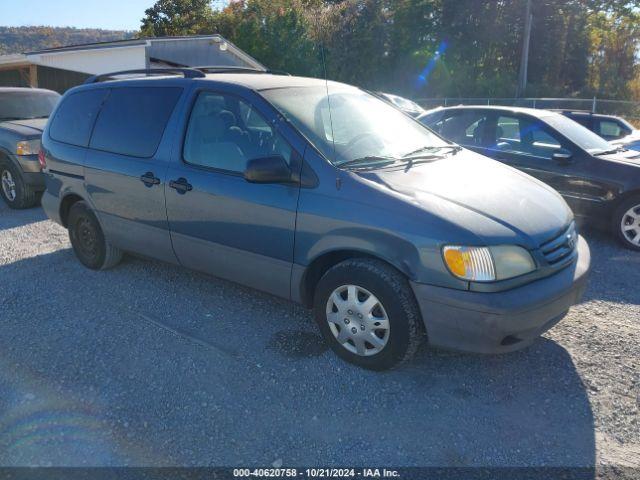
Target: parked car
[[613, 129], [384, 229], [407, 106], [599, 181], [23, 115]]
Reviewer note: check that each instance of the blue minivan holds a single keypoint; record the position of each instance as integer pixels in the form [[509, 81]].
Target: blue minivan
[[320, 193]]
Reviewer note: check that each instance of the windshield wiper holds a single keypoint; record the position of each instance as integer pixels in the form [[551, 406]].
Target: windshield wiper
[[369, 160], [453, 148], [608, 152]]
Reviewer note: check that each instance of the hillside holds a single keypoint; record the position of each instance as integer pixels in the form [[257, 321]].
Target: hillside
[[27, 39]]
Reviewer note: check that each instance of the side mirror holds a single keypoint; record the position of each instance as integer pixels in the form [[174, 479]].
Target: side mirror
[[562, 156], [271, 169]]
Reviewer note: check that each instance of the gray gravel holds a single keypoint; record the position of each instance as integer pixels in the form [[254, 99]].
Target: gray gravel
[[151, 364]]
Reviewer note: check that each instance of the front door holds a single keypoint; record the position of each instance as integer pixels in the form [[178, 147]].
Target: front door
[[219, 222], [529, 145]]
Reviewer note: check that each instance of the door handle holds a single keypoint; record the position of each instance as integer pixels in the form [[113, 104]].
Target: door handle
[[181, 185], [149, 179]]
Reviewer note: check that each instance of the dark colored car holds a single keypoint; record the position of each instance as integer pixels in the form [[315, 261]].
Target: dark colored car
[[23, 115], [613, 129], [320, 193], [599, 181]]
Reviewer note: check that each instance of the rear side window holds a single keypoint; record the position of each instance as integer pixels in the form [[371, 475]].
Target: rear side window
[[133, 119], [74, 118], [466, 127]]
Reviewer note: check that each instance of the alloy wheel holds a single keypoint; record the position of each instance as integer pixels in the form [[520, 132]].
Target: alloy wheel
[[358, 320], [8, 185], [630, 225]]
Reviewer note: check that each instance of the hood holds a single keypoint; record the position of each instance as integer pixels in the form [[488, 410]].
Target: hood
[[629, 157], [29, 128], [490, 200], [632, 138]]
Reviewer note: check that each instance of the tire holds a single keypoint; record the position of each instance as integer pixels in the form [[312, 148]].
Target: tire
[[14, 191], [625, 226], [89, 243], [373, 280]]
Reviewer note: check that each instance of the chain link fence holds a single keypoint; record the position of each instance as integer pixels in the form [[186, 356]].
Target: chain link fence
[[626, 109]]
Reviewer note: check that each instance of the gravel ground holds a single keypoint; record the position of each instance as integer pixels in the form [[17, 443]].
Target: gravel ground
[[151, 364]]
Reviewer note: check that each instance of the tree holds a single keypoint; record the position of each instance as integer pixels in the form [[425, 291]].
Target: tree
[[176, 17], [273, 31], [467, 48]]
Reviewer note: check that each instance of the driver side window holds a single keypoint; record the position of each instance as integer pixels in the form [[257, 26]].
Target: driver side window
[[526, 137], [225, 132]]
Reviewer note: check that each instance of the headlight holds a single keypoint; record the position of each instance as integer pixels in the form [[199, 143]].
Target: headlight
[[28, 147], [487, 264]]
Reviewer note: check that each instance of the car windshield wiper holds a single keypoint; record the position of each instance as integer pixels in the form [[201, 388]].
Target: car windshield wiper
[[431, 148], [367, 161], [608, 152]]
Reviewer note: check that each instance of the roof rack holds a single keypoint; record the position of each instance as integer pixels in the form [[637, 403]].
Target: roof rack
[[237, 69], [186, 72]]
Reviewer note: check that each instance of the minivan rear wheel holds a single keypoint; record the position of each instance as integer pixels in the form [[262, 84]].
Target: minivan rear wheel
[[89, 243], [367, 314], [626, 223]]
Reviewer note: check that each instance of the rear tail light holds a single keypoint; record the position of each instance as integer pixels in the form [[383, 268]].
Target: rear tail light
[[42, 159]]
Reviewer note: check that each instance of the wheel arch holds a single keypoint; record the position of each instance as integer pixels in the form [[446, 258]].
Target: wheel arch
[[67, 201], [626, 196], [323, 262], [5, 154]]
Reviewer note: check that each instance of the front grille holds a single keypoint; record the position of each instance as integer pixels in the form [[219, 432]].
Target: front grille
[[560, 247]]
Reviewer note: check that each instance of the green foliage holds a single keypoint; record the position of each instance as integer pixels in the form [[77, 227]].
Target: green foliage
[[29, 39], [461, 47], [275, 32], [176, 17]]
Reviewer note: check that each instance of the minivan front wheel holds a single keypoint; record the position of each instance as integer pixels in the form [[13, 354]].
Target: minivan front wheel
[[366, 311], [626, 223], [88, 241]]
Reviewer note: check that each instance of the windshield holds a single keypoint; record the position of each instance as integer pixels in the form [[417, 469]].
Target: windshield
[[24, 105], [360, 125], [581, 136]]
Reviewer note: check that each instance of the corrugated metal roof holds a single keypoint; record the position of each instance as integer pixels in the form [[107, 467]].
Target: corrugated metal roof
[[192, 50], [13, 59], [200, 51]]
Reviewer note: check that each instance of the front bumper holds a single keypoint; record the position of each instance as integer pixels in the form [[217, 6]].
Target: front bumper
[[500, 322]]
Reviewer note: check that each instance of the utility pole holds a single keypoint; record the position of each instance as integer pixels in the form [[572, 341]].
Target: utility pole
[[524, 60]]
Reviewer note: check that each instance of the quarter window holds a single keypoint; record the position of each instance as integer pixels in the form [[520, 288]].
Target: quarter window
[[75, 117], [133, 119], [225, 132]]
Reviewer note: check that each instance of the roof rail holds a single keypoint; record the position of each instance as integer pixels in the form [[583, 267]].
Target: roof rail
[[186, 72], [237, 69]]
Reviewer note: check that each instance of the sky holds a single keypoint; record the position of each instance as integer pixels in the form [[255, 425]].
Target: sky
[[106, 14]]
